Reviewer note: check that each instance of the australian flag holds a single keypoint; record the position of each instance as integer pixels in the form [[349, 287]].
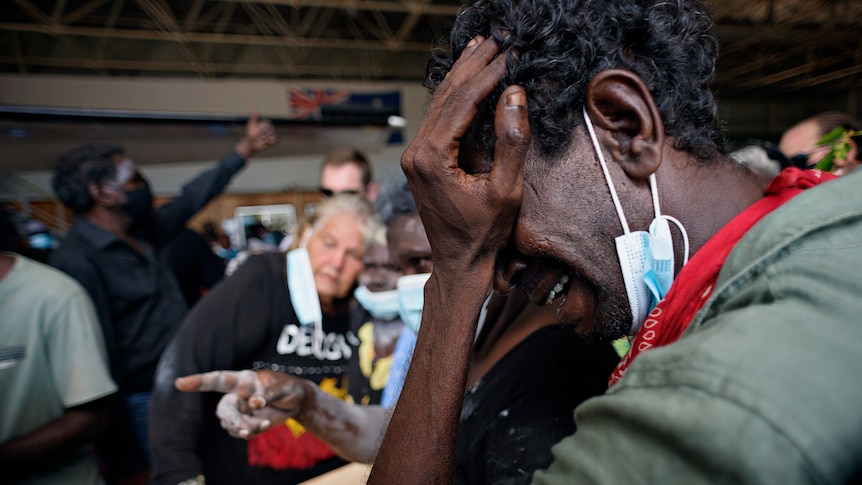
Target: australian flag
[[343, 107]]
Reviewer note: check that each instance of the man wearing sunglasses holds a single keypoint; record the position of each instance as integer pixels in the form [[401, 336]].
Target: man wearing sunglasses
[[347, 170]]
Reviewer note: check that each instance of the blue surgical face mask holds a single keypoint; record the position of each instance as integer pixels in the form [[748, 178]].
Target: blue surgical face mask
[[382, 305], [411, 295], [303, 289], [646, 257]]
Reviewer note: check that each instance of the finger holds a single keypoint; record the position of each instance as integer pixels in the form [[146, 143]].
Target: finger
[[253, 117], [219, 381], [456, 115], [285, 393], [473, 59], [454, 104], [257, 402], [512, 129], [230, 417], [476, 54], [474, 76], [252, 426], [258, 424], [237, 419]]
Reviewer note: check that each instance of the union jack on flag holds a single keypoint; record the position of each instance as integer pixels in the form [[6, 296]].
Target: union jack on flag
[[305, 103]]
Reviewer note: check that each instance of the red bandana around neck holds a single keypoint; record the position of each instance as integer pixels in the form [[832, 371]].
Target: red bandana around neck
[[695, 282]]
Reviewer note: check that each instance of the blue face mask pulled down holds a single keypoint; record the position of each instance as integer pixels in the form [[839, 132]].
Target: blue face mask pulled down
[[411, 296], [303, 289], [382, 305], [646, 257]]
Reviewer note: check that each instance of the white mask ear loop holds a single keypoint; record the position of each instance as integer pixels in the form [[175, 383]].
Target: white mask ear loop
[[658, 215], [684, 236], [616, 199], [653, 189]]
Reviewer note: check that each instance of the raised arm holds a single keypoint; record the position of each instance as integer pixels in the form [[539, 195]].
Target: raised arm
[[469, 216], [196, 193], [256, 400]]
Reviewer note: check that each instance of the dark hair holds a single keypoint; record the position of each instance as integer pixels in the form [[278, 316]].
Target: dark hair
[[79, 167], [394, 198], [344, 156], [554, 48]]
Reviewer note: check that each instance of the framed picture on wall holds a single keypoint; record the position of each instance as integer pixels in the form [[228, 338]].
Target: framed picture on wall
[[263, 227]]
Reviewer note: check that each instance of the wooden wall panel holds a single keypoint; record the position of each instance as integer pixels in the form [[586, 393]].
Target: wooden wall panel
[[49, 211]]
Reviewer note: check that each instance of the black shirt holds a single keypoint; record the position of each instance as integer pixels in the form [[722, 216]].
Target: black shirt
[[136, 295], [194, 264], [525, 404]]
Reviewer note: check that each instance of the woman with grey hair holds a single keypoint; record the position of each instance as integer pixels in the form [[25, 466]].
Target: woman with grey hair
[[282, 312]]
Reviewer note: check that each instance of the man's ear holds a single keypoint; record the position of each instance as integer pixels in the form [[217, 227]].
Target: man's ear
[[619, 102]]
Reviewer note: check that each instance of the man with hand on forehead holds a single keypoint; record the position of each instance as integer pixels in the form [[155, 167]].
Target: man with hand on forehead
[[572, 149]]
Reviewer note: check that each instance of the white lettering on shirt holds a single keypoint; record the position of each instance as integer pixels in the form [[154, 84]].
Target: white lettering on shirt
[[302, 341]]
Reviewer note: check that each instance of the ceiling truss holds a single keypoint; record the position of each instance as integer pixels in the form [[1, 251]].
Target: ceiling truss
[[768, 47]]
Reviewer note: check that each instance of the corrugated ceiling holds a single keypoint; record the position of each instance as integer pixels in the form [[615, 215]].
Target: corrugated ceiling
[[769, 48]]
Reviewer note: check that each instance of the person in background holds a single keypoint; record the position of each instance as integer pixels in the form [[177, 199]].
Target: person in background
[[763, 159], [343, 171], [572, 149], [375, 323], [54, 375], [285, 313], [527, 375], [113, 250], [194, 264], [799, 142], [347, 170]]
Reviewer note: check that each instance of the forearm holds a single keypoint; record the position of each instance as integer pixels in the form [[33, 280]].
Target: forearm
[[198, 192], [419, 444], [353, 431], [78, 426]]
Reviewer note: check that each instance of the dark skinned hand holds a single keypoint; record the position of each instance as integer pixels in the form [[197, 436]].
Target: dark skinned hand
[[468, 217], [254, 400], [259, 135]]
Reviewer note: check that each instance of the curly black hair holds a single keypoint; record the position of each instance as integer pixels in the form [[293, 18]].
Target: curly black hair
[[79, 167], [554, 48]]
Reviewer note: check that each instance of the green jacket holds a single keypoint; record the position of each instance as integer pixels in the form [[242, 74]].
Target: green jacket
[[765, 385]]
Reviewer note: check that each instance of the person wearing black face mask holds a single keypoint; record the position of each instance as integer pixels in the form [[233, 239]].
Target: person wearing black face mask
[[139, 202], [113, 250]]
